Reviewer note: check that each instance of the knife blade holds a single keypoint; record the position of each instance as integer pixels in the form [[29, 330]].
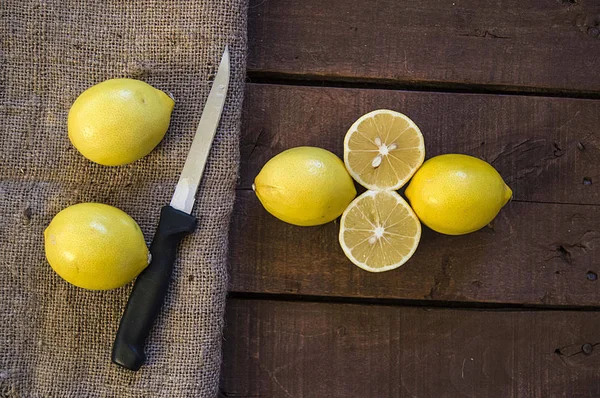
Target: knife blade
[[150, 288]]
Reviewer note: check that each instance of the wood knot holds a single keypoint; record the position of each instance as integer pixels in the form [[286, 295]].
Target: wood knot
[[558, 352], [587, 348], [558, 152], [564, 254], [592, 276], [587, 181]]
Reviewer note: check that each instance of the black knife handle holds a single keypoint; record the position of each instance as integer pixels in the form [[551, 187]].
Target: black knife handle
[[150, 289]]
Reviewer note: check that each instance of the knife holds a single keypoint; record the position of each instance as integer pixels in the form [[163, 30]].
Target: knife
[[175, 222]]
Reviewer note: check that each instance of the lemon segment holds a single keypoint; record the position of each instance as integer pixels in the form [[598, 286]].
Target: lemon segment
[[95, 246], [304, 186], [383, 149], [379, 231], [119, 121], [457, 194]]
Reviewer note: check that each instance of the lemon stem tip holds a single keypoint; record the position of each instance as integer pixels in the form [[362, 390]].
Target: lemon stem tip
[[508, 194]]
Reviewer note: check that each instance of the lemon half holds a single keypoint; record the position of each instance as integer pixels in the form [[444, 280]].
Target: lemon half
[[379, 231], [383, 149]]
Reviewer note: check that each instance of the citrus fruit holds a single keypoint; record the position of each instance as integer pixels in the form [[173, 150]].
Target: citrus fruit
[[119, 121], [457, 194], [304, 186], [95, 246], [383, 149], [379, 231]]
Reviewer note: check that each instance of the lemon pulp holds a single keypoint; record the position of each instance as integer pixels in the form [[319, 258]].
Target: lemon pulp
[[379, 231], [383, 149]]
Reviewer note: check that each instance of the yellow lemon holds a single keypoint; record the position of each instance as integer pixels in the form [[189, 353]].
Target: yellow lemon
[[383, 149], [305, 186], [379, 231], [457, 194], [95, 246], [119, 121]]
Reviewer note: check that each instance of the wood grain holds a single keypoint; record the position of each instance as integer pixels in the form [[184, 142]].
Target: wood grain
[[540, 250], [509, 44], [535, 254], [546, 149], [297, 349]]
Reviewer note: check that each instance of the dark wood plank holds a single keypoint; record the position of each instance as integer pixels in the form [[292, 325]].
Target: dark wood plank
[[547, 149], [537, 254], [540, 251], [295, 349], [508, 44]]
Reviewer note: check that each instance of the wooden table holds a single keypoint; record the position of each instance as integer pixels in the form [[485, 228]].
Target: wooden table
[[508, 311]]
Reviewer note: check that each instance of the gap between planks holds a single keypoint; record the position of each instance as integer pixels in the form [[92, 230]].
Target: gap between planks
[[424, 304], [309, 80]]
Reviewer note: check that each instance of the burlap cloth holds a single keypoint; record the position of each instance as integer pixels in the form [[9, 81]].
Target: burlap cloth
[[56, 339]]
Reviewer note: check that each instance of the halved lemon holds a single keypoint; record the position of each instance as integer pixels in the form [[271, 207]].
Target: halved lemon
[[379, 231], [383, 149]]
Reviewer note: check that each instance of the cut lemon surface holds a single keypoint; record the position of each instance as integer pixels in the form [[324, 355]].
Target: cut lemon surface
[[383, 149], [379, 231]]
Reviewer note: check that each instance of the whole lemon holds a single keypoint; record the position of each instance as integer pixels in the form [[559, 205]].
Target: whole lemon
[[119, 121], [305, 186], [95, 246], [457, 194]]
